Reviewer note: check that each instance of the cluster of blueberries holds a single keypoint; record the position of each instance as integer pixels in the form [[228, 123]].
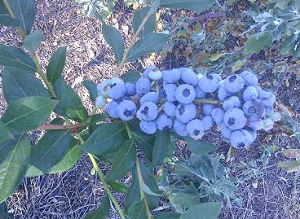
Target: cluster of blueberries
[[181, 100]]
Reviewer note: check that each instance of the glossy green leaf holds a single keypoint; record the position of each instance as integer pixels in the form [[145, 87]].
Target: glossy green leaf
[[5, 18], [167, 215], [152, 42], [193, 5], [70, 104], [123, 162], [50, 150], [138, 18], [113, 37], [28, 113], [163, 148], [92, 88], [131, 76], [118, 187], [56, 65], [24, 11], [5, 134], [145, 142], [209, 210], [66, 163], [14, 57], [18, 84], [199, 147], [102, 212], [32, 41], [138, 210], [105, 139], [14, 160], [257, 42]]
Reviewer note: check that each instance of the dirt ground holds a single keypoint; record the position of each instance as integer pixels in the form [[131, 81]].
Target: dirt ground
[[266, 190]]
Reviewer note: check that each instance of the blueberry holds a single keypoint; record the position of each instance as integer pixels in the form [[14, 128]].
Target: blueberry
[[231, 102], [223, 93], [148, 70], [217, 115], [249, 78], [169, 108], [235, 119], [130, 89], [188, 76], [250, 93], [112, 109], [195, 129], [180, 128], [240, 139], [253, 135], [199, 93], [185, 94], [267, 98], [100, 102], [256, 125], [269, 111], [150, 97], [148, 127], [276, 116], [234, 83], [164, 123], [148, 111], [171, 76], [127, 110], [186, 112], [225, 131], [268, 124], [155, 74], [117, 91], [103, 88], [208, 83], [207, 109], [208, 123], [169, 91], [217, 77], [254, 110], [142, 86]]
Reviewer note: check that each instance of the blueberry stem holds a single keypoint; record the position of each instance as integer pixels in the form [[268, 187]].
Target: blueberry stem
[[208, 101]]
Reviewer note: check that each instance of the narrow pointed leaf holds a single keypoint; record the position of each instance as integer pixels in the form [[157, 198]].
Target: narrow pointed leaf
[[163, 148], [131, 76], [194, 5], [123, 162], [257, 42], [102, 212], [14, 57], [199, 147], [32, 41], [56, 64], [5, 18], [18, 84], [139, 16], [92, 88], [145, 142], [138, 211], [4, 132], [14, 160], [209, 210], [167, 215], [28, 113]]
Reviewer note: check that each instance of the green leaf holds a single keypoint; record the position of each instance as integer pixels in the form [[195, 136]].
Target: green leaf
[[139, 16], [28, 113], [105, 139], [145, 142], [56, 65], [98, 118], [209, 210], [102, 212], [113, 37], [14, 160], [123, 162], [24, 11], [163, 148], [18, 84], [257, 42], [131, 76], [118, 187], [66, 163], [50, 150], [185, 198], [4, 212], [5, 18], [152, 42], [199, 147], [92, 88], [155, 6], [14, 57], [70, 104], [4, 133], [138, 210], [194, 5], [290, 166], [167, 215], [32, 41]]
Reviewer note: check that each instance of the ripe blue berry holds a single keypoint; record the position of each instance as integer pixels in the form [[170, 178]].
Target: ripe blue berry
[[117, 89], [150, 97], [186, 112], [155, 74], [217, 115], [100, 102], [199, 93], [169, 91], [147, 71], [235, 119], [130, 89], [180, 128], [208, 83], [207, 109], [240, 139], [171, 76], [185, 94], [234, 83], [268, 124], [250, 93], [103, 88], [112, 109], [195, 129], [142, 86], [149, 127], [148, 111], [169, 108], [127, 110], [208, 123], [223, 93], [188, 76], [225, 131], [256, 125], [249, 78], [267, 98], [254, 110], [231, 102], [164, 123]]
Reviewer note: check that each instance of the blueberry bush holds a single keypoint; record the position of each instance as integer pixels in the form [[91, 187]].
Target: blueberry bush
[[137, 117]]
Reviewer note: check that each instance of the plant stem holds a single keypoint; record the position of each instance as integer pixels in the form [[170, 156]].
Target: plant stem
[[133, 40], [140, 176], [59, 127], [103, 181], [208, 101]]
